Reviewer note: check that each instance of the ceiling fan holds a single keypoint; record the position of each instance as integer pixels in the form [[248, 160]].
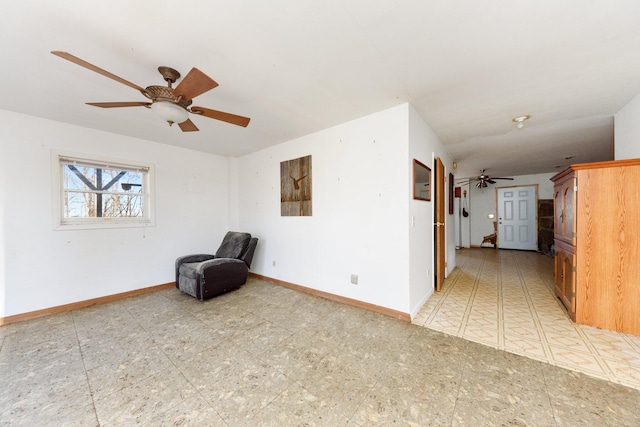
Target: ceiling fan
[[483, 180], [172, 104]]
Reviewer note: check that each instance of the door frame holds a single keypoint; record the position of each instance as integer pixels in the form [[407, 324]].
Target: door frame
[[439, 247]]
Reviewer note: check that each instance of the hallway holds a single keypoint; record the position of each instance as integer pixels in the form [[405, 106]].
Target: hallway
[[504, 299]]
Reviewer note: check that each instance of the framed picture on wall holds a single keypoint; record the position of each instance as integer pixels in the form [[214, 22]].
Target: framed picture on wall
[[421, 181]]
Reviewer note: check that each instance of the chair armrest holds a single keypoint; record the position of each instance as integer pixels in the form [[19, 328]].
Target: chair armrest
[[194, 258], [216, 262], [190, 258]]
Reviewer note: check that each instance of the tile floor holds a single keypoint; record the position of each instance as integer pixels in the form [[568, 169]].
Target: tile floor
[[265, 355], [505, 299]]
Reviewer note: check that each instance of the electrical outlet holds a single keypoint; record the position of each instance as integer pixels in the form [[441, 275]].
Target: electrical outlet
[[354, 279], [274, 263]]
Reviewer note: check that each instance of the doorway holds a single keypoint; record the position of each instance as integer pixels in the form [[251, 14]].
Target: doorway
[[517, 220]]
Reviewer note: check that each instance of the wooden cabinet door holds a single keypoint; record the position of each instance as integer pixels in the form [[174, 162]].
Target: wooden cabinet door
[[569, 197], [558, 204], [569, 284], [565, 279], [564, 217], [558, 262]]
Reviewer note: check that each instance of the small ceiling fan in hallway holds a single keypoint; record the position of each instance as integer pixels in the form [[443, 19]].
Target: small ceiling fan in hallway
[[172, 104], [483, 180]]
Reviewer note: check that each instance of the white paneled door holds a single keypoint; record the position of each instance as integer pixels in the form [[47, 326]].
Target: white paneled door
[[517, 223]]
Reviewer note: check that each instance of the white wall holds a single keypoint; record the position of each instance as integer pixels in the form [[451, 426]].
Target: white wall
[[43, 268], [425, 146], [483, 201], [360, 210], [3, 207], [627, 131]]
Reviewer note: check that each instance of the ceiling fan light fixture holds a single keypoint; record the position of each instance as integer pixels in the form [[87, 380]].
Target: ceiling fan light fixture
[[172, 104], [520, 120], [169, 111]]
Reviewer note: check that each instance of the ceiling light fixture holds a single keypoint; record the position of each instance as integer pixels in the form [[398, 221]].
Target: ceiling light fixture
[[520, 120], [169, 111]]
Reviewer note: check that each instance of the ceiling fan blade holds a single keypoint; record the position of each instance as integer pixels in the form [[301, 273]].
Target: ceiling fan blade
[[193, 84], [221, 115], [465, 181], [490, 181], [118, 104], [98, 70], [188, 126], [510, 179]]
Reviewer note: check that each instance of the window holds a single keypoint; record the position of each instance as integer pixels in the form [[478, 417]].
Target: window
[[101, 193]]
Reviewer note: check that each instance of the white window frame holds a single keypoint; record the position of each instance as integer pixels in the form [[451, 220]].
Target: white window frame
[[59, 159]]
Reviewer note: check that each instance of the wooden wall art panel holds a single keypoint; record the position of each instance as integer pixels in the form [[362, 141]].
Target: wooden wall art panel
[[295, 187]]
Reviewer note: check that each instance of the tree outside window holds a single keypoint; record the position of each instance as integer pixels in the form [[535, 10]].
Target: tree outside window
[[94, 192]]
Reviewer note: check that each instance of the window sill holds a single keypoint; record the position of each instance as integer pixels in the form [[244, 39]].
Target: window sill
[[104, 224]]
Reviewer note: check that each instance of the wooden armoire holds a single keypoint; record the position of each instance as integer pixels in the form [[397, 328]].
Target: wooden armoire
[[597, 243]]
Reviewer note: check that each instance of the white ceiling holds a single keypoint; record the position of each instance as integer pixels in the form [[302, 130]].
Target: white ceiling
[[299, 66]]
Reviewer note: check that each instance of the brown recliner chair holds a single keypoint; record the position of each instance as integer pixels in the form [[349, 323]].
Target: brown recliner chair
[[205, 276]]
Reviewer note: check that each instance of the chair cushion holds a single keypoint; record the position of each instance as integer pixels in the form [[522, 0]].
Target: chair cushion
[[233, 245], [189, 269]]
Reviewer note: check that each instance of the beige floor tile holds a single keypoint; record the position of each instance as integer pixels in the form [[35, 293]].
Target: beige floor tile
[[531, 349], [630, 374]]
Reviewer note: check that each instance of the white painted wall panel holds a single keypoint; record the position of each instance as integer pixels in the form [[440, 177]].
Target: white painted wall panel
[[627, 131], [425, 146], [360, 211], [44, 268]]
